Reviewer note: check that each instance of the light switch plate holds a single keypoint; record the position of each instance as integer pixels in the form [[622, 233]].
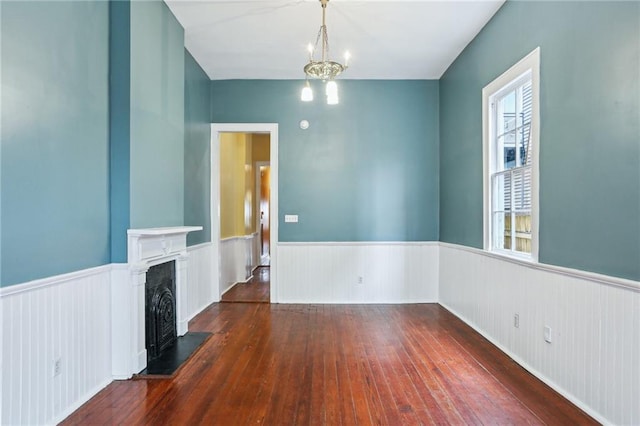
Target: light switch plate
[[291, 218]]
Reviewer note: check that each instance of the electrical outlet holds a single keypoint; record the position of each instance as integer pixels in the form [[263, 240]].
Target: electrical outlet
[[57, 367], [360, 279], [547, 334], [516, 321]]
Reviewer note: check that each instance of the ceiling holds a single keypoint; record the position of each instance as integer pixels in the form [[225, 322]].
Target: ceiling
[[267, 39]]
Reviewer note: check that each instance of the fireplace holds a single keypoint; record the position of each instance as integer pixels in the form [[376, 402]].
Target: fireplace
[[160, 309], [149, 251]]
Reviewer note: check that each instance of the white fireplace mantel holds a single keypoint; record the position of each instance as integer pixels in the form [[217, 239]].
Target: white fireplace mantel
[[145, 245], [145, 248]]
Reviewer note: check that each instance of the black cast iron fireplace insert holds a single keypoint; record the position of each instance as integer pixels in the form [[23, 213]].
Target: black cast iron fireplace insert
[[160, 309]]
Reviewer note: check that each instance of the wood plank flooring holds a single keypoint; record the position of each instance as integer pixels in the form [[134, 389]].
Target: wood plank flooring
[[332, 365], [256, 290]]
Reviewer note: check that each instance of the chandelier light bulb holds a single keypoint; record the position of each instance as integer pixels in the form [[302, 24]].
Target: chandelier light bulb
[[332, 88], [307, 93], [347, 56], [333, 99]]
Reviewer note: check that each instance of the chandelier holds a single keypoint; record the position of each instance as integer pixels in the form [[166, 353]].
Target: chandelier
[[323, 69]]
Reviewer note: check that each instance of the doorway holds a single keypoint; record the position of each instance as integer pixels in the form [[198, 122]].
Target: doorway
[[269, 210]]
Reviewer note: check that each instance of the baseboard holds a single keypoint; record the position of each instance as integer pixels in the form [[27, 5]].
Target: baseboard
[[227, 289], [348, 302], [258, 267], [199, 310]]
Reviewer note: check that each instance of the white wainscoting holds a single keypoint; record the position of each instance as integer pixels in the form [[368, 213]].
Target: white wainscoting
[[237, 260], [329, 272], [201, 289], [67, 317], [594, 357]]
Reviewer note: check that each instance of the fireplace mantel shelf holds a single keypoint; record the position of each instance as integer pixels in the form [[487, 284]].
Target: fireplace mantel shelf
[[151, 244], [169, 230]]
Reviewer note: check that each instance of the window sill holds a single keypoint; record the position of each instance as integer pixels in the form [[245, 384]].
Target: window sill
[[513, 255]]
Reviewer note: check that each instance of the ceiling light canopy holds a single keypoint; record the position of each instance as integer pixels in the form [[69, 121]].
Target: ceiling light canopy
[[324, 68]]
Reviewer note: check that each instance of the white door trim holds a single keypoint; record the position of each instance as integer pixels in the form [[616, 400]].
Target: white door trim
[[272, 130]]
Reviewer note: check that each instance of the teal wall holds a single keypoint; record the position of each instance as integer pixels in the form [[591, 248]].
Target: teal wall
[[157, 116], [365, 170], [119, 125], [147, 84], [369, 169], [197, 151], [54, 138], [92, 131], [589, 135]]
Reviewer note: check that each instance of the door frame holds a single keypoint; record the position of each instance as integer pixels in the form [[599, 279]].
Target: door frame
[[259, 196], [272, 130]]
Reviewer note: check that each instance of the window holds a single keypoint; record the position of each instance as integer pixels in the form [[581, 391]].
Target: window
[[510, 147]]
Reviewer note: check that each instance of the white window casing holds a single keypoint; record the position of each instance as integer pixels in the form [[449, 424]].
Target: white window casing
[[496, 177]]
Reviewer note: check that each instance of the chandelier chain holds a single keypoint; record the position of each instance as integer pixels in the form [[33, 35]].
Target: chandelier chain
[[322, 34]]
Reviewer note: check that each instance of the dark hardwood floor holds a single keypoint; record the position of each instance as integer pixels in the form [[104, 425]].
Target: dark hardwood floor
[[256, 290], [335, 364]]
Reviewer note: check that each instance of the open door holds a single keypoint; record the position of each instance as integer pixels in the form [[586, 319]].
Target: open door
[[263, 171]]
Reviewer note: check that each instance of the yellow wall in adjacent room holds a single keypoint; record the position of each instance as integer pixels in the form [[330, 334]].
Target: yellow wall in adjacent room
[[238, 155], [261, 146], [261, 152], [232, 185]]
